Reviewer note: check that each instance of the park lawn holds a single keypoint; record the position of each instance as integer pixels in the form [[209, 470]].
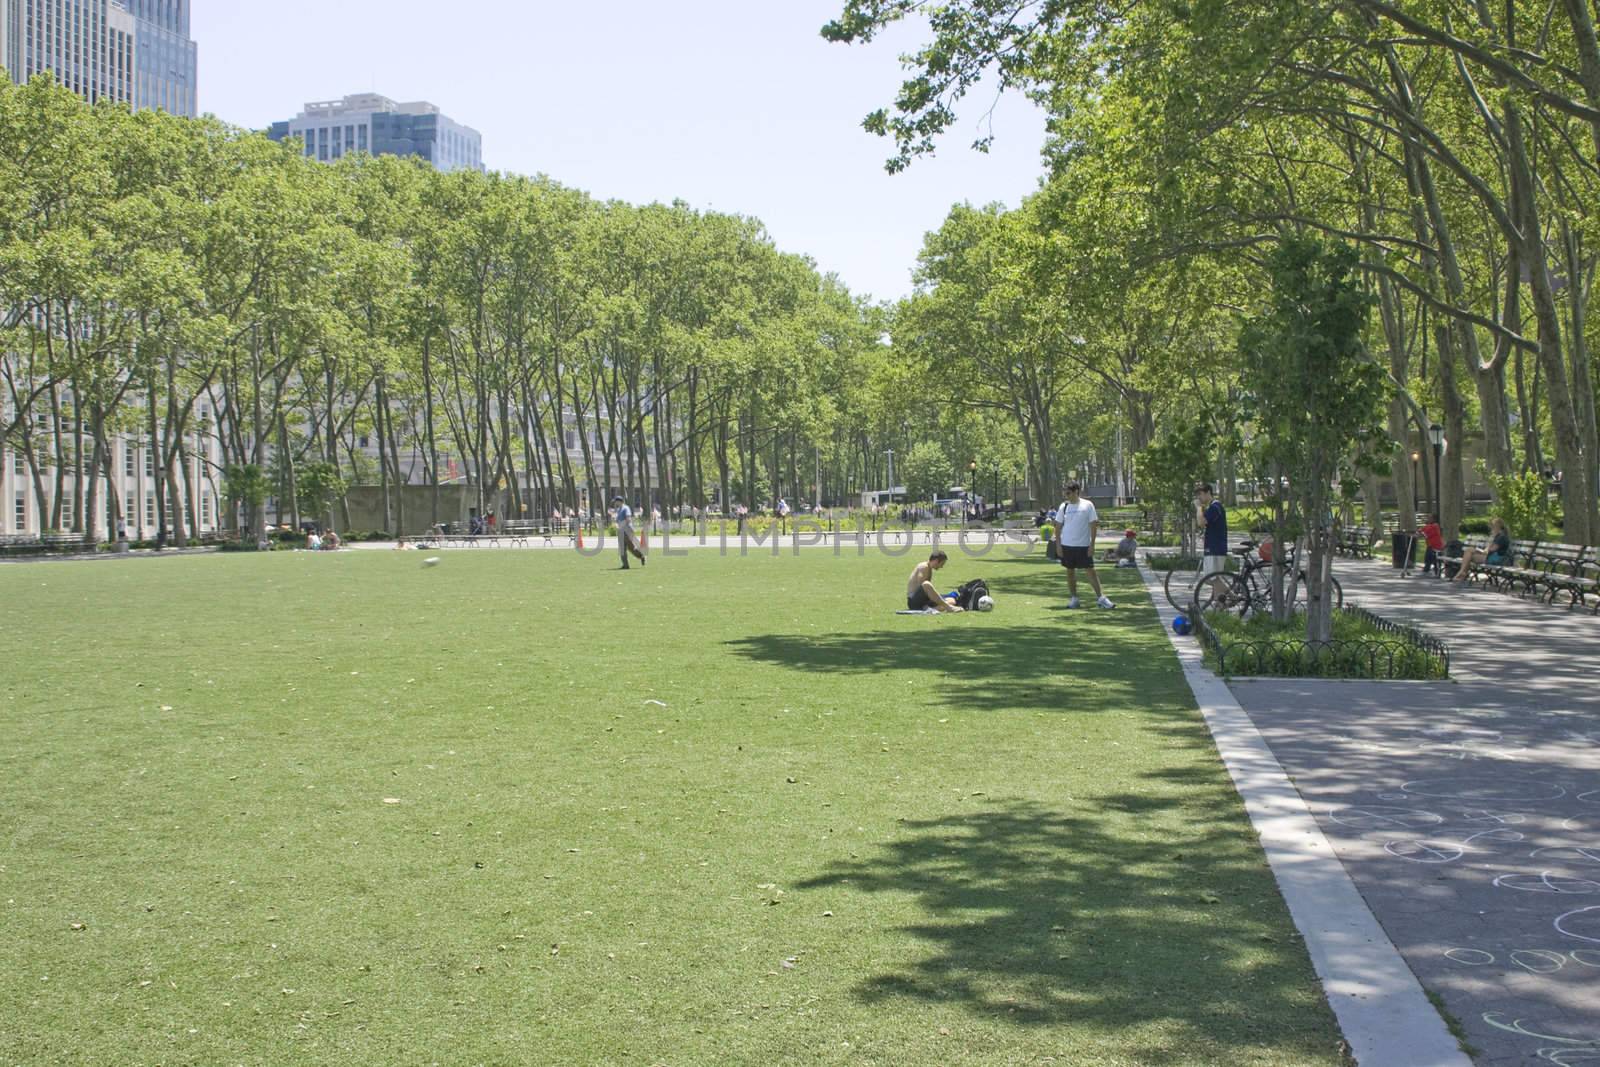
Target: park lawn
[[525, 808]]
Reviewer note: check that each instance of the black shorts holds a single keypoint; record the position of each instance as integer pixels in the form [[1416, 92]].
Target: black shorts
[[1078, 557], [918, 600]]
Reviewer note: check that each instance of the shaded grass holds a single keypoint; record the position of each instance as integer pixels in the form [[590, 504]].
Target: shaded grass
[[1017, 822]]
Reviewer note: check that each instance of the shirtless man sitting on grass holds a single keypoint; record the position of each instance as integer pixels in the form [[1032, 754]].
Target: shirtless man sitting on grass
[[920, 592]]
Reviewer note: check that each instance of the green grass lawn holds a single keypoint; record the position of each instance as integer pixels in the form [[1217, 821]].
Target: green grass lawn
[[524, 808]]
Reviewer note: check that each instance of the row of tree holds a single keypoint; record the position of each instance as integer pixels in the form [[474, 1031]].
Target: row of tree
[[241, 310], [1453, 148]]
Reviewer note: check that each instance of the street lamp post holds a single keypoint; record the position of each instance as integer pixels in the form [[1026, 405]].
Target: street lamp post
[[1436, 438], [1414, 457], [890, 453], [972, 488]]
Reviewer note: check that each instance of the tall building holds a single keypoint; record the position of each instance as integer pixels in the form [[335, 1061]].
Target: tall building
[[137, 51], [368, 122], [166, 59]]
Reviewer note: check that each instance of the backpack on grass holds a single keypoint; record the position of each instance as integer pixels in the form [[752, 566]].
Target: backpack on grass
[[969, 592]]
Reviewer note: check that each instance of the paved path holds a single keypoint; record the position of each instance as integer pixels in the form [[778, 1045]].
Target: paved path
[[1468, 813]]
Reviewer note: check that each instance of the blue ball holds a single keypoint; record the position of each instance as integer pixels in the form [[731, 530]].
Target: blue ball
[[1181, 626]]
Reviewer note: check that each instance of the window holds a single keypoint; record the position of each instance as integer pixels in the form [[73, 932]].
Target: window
[[129, 459], [21, 512], [149, 509], [66, 511], [205, 509], [150, 463], [361, 138], [129, 515], [19, 464]]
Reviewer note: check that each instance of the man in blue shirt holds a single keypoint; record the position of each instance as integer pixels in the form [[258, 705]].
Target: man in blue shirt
[[625, 539], [1215, 520]]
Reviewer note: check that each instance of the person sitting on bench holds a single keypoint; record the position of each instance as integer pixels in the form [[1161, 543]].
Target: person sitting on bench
[[1498, 552], [920, 591], [1433, 541]]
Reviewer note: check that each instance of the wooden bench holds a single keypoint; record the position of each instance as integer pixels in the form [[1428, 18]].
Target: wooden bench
[[1355, 542], [1570, 569], [1518, 572]]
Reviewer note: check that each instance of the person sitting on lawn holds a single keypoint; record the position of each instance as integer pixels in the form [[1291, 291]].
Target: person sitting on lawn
[[920, 591], [1498, 552], [1125, 551], [330, 542]]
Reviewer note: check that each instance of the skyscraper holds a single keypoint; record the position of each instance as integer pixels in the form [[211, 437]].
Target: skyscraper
[[138, 51], [165, 57], [368, 122]]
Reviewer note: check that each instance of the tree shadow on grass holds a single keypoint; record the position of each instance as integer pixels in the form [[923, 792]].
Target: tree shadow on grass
[[1105, 661], [1154, 912], [1036, 576]]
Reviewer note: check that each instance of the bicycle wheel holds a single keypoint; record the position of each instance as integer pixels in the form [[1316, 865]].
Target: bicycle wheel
[[1299, 596], [1219, 593], [1179, 582]]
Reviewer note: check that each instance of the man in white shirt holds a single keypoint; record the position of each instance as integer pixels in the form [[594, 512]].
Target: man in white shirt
[[1077, 524]]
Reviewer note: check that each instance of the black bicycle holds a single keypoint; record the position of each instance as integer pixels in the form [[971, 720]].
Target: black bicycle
[[1250, 587]]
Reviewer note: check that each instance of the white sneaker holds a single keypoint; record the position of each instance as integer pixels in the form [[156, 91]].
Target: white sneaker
[[1105, 602], [1072, 603]]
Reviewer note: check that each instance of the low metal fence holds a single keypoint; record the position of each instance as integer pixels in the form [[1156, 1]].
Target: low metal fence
[[1404, 652]]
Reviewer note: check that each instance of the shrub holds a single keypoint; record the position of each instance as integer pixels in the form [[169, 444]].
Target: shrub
[[1359, 649], [1524, 503]]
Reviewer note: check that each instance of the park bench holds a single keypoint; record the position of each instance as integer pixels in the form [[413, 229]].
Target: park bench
[[1452, 561], [1518, 573], [1570, 569], [1355, 542], [40, 544]]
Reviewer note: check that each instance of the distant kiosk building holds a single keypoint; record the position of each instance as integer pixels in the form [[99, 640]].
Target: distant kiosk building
[[376, 125]]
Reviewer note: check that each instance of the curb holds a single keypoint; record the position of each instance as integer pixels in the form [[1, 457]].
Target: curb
[[1381, 1007]]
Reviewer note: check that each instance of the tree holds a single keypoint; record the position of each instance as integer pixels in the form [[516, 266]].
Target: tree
[[927, 471], [245, 485], [319, 485], [1315, 397]]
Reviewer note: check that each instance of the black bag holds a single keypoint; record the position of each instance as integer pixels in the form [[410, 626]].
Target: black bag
[[1453, 551], [969, 592], [1052, 549]]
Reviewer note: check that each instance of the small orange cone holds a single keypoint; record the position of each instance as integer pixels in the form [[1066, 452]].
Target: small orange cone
[[580, 538]]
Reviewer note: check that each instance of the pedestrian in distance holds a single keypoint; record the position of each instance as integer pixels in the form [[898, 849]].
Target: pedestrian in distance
[[626, 541], [1077, 525], [1214, 520]]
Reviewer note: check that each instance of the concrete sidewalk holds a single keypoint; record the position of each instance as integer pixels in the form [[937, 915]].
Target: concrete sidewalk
[[1467, 812]]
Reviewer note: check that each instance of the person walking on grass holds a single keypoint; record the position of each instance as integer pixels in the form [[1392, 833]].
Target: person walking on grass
[[1077, 525], [625, 538], [1214, 519]]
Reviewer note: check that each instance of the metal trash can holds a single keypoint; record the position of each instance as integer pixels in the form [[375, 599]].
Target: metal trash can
[[1403, 546]]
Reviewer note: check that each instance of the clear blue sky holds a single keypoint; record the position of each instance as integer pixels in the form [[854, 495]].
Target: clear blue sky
[[732, 105]]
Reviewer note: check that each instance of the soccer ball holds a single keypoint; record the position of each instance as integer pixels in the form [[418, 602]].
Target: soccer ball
[[986, 603], [1181, 626], [431, 561]]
